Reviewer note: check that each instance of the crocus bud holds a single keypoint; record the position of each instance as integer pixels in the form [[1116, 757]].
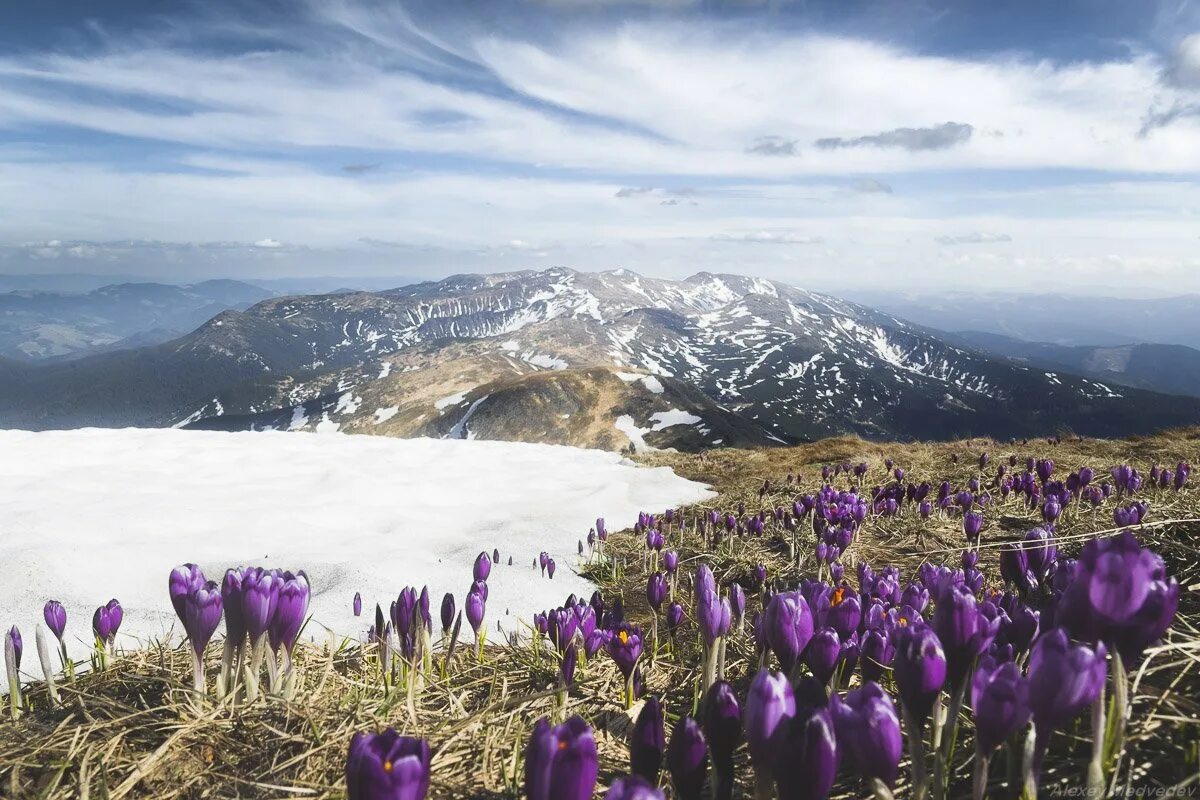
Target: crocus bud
[[356, 605], [387, 766], [291, 611], [868, 730], [447, 612], [822, 654], [674, 617], [687, 759], [180, 582], [482, 568], [788, 625], [919, 669], [647, 741], [769, 703], [550, 566], [561, 761], [566, 669], [56, 618], [202, 614], [806, 756], [1000, 699], [633, 787], [671, 561], [475, 606], [260, 600], [656, 590], [1064, 679], [723, 730], [965, 629], [107, 621]]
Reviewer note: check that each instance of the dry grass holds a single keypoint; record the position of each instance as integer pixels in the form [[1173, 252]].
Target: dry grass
[[134, 731]]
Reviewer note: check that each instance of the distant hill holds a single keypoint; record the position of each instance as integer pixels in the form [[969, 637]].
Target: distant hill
[[42, 325], [1075, 320], [578, 357], [1168, 368]]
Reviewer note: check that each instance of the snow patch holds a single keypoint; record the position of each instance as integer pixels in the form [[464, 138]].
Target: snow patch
[[326, 504]]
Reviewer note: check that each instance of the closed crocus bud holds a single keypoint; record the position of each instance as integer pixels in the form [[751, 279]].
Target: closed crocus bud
[[722, 717], [1000, 699], [760, 574], [357, 604], [448, 612], [107, 621], [202, 615], [482, 568], [788, 625], [972, 525], [823, 653], [925, 509], [868, 731], [180, 582], [806, 755], [656, 590], [769, 703], [566, 670], [737, 603], [496, 555], [633, 787], [877, 653], [56, 618], [260, 600], [647, 741], [1064, 679], [919, 669], [561, 761], [687, 759], [671, 561], [387, 766], [291, 611], [475, 606], [899, 473], [674, 617], [550, 567]]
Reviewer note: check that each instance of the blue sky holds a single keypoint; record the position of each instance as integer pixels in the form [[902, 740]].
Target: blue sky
[[1016, 145]]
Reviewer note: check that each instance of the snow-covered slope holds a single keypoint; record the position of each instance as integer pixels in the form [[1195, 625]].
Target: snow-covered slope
[[92, 514]]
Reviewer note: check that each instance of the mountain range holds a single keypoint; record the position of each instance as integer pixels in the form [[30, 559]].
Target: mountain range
[[610, 359], [54, 324]]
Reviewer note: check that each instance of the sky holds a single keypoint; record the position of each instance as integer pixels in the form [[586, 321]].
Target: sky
[[883, 144]]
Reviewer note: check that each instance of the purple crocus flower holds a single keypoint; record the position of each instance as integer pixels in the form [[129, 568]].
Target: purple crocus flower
[[356, 605], [1064, 679], [877, 654], [231, 602], [965, 629], [260, 600], [737, 603], [687, 759], [180, 583], [760, 574], [806, 754], [1000, 699], [919, 669], [561, 761], [106, 621], [723, 730], [647, 741], [823, 653], [788, 625], [674, 618], [1044, 468], [839, 608], [291, 611], [633, 787], [482, 568], [972, 525], [566, 669], [769, 704], [868, 730], [625, 647], [202, 615], [671, 561], [550, 567], [475, 606], [712, 611], [656, 590], [387, 766], [447, 612], [56, 618]]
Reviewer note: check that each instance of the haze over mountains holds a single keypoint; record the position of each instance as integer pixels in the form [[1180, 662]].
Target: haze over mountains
[[591, 359]]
